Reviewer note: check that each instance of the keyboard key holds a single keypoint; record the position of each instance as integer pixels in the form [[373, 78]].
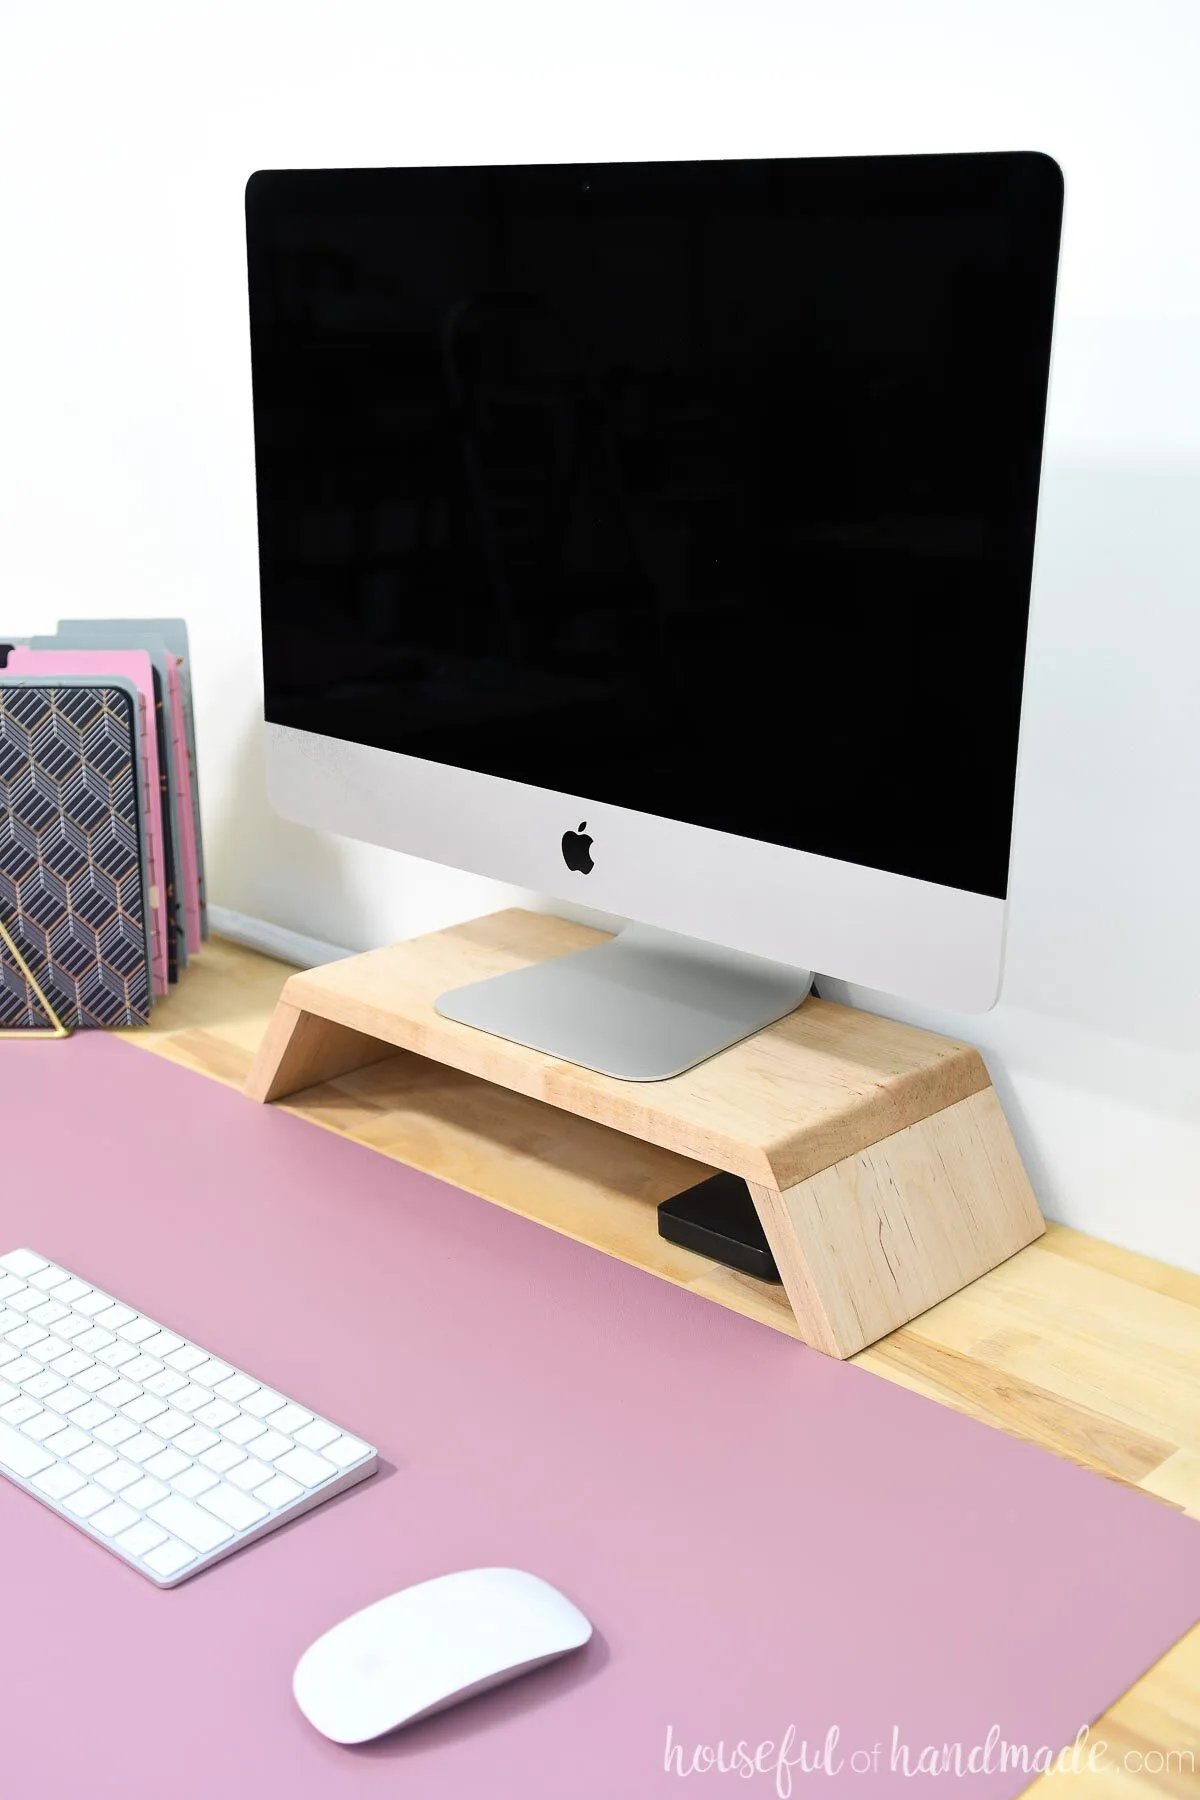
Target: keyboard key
[[22, 1336], [97, 1377], [115, 1353], [143, 1408], [87, 1501], [48, 1278], [114, 1518], [23, 1263], [222, 1457], [89, 1417], [164, 1383], [71, 1290], [145, 1492], [169, 1558], [191, 1398], [73, 1365], [25, 1301], [19, 1455], [73, 1328], [194, 1481], [270, 1446], [210, 1372], [216, 1413], [46, 1425], [277, 1492], [137, 1331], [20, 1368], [21, 1300], [114, 1315], [186, 1359], [250, 1474], [142, 1537], [94, 1458], [9, 1392], [235, 1508], [57, 1482], [185, 1520], [197, 1439], [49, 1313], [162, 1344], [242, 1429], [262, 1404], [305, 1467], [115, 1431], [288, 1419], [93, 1303], [170, 1463], [12, 1284], [119, 1393], [140, 1449], [66, 1442], [67, 1399], [17, 1411], [38, 1386], [236, 1388], [172, 1424], [50, 1351], [119, 1475], [141, 1368]]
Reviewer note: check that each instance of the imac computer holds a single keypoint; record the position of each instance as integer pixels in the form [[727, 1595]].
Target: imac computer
[[659, 536]]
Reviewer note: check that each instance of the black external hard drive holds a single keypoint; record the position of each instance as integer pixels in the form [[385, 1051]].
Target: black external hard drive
[[717, 1219]]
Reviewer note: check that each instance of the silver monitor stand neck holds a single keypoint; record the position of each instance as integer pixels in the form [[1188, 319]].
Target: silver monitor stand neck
[[642, 1007]]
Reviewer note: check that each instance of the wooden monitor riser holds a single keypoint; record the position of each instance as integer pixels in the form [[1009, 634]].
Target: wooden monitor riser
[[878, 1157]]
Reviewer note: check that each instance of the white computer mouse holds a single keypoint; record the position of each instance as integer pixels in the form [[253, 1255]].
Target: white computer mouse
[[429, 1646]]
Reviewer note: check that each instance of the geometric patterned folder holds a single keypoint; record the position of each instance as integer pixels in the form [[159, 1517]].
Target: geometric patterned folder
[[72, 881]]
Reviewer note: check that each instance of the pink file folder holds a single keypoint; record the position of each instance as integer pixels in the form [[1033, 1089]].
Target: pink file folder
[[189, 861], [133, 665]]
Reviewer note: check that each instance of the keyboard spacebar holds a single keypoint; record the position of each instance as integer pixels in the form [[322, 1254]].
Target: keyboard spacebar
[[20, 1455]]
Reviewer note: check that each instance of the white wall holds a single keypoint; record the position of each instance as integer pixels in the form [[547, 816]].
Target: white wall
[[126, 479]]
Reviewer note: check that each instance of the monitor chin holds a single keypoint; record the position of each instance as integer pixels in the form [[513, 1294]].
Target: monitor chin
[[937, 945]]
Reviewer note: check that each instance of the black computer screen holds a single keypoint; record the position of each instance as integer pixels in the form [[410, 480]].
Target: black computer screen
[[704, 489]]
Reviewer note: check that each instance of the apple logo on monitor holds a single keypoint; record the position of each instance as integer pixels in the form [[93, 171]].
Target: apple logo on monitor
[[577, 850]]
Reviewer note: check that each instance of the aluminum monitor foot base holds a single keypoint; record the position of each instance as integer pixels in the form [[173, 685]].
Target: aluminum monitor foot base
[[643, 1007]]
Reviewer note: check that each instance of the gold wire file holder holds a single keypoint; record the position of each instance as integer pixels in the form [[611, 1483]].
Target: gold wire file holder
[[56, 1027]]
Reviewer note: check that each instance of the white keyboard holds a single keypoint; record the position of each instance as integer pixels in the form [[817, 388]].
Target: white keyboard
[[156, 1449]]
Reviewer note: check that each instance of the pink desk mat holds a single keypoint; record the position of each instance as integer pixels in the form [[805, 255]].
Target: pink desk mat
[[763, 1538]]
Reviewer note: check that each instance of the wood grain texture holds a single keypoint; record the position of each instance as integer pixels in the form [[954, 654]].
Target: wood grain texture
[[809, 1091], [300, 1049], [1078, 1433], [882, 1236], [863, 1242], [1082, 1348]]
